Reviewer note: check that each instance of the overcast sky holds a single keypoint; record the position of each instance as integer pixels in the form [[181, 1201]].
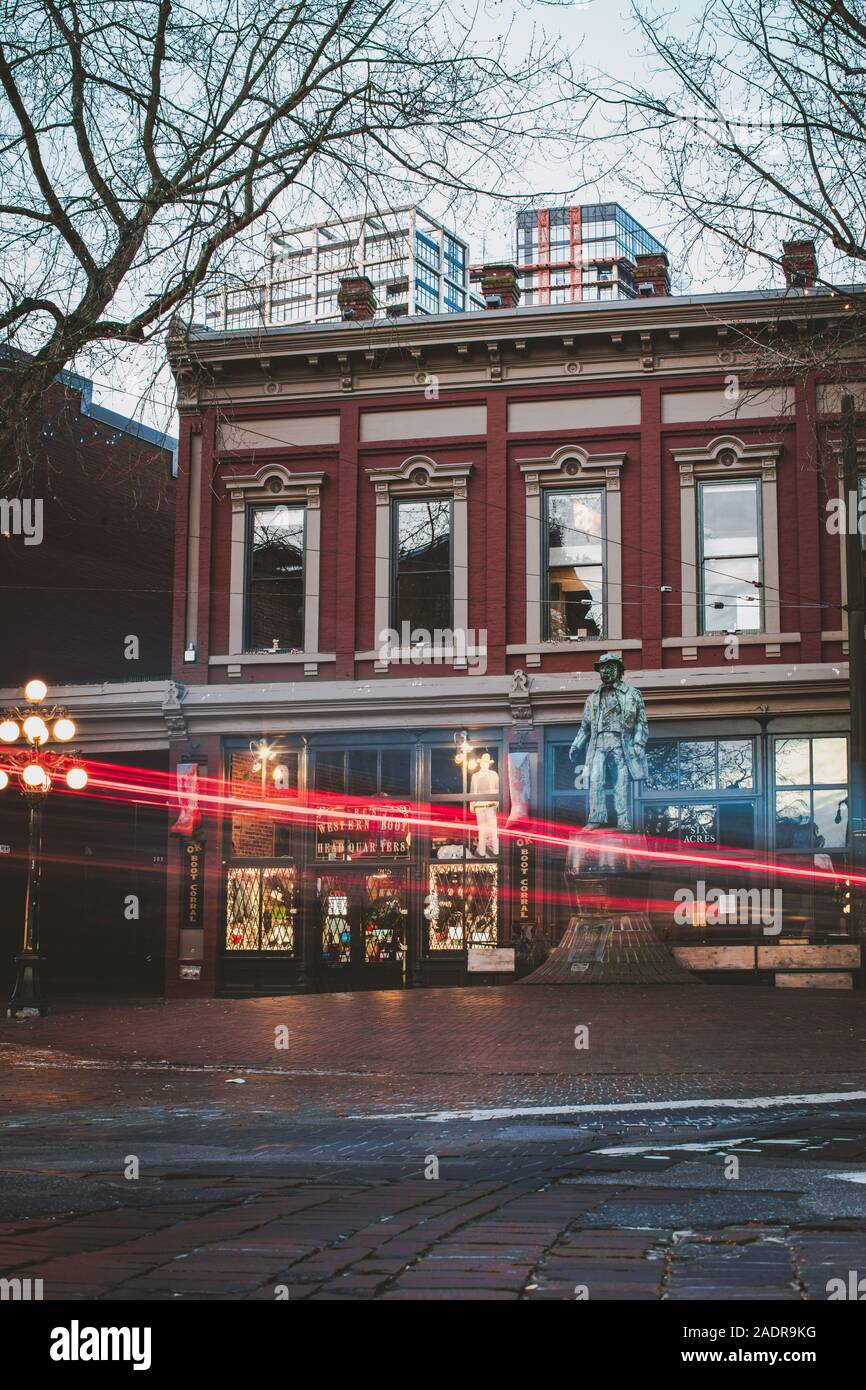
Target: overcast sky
[[603, 37]]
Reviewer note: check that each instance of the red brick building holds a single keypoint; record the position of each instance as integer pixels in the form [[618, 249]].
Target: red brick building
[[85, 604], [536, 485]]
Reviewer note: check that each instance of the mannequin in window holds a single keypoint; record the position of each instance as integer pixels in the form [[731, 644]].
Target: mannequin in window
[[484, 790]]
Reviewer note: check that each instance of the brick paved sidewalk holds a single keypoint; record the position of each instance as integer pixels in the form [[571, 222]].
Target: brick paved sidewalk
[[418, 1241], [710, 1029]]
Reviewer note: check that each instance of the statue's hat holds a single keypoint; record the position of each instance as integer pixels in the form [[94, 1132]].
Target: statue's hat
[[609, 656]]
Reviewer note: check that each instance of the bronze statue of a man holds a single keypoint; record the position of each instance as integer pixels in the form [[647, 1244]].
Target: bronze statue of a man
[[615, 728]]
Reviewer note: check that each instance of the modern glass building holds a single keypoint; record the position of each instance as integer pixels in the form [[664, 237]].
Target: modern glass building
[[567, 254], [416, 265]]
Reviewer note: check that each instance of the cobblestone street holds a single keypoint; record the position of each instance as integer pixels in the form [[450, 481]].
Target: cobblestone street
[[438, 1145]]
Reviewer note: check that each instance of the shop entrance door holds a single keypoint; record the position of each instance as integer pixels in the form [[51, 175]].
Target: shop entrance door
[[363, 928]]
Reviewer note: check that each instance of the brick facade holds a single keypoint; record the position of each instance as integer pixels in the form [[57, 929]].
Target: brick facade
[[635, 397], [88, 610]]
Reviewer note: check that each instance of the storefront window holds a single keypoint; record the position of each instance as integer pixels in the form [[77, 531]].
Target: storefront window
[[569, 806], [811, 825], [699, 764], [461, 907], [255, 834], [700, 793], [701, 823], [574, 547], [366, 807], [260, 909], [811, 793], [695, 824], [694, 767], [275, 579], [730, 555], [446, 776]]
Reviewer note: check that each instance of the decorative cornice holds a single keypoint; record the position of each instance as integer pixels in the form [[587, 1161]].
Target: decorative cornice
[[556, 698], [273, 482], [836, 445], [727, 454], [621, 319], [118, 716], [417, 473], [571, 464]]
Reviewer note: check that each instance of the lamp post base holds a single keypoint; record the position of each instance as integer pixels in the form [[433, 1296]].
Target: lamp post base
[[26, 999]]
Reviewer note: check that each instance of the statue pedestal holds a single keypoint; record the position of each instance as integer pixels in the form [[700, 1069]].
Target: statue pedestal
[[609, 938]]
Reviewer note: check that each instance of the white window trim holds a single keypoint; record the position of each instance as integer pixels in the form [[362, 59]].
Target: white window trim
[[568, 468], [728, 457], [275, 484], [416, 476]]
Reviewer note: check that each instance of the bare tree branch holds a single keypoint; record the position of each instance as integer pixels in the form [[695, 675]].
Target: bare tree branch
[[754, 126], [146, 145]]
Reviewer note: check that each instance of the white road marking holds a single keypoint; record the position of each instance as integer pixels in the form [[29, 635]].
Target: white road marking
[[721, 1145], [621, 1150], [520, 1112], [847, 1177]]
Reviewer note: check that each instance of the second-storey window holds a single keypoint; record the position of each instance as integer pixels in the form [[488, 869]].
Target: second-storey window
[[422, 575], [574, 548], [730, 555], [275, 578]]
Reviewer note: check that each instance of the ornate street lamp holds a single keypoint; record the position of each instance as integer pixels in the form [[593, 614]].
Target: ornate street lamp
[[26, 731]]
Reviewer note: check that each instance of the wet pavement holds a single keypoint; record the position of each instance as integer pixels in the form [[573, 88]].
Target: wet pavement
[[496, 1144]]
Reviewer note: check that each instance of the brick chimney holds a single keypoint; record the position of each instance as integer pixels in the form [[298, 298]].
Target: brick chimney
[[800, 264], [651, 273], [355, 297], [500, 285]]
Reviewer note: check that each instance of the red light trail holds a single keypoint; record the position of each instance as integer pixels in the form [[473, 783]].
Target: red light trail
[[112, 782]]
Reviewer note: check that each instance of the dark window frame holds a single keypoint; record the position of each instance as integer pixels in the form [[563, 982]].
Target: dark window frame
[[715, 481], [261, 867], [282, 748], [557, 491], [717, 796], [809, 788], [393, 601], [466, 862], [704, 793], [252, 508], [378, 796]]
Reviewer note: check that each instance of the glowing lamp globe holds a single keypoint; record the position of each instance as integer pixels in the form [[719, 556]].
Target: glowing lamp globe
[[9, 730], [35, 729], [4, 780], [35, 691], [34, 776], [64, 730], [76, 779]]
